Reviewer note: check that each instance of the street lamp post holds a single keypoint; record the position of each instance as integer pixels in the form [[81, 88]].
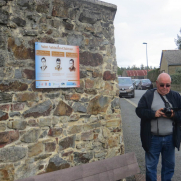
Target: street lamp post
[[146, 58]]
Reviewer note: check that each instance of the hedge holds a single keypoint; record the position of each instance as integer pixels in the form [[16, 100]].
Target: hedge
[[153, 74], [176, 78]]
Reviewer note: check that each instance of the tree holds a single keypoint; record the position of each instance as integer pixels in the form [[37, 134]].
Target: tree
[[142, 67], [119, 72], [133, 67], [178, 41]]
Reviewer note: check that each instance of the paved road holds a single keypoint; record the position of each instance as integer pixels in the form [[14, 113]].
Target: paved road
[[131, 132]]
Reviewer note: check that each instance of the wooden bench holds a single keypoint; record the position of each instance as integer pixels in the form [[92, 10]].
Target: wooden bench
[[110, 169]]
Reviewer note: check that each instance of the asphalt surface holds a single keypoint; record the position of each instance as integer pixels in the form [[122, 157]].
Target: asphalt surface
[[131, 132]]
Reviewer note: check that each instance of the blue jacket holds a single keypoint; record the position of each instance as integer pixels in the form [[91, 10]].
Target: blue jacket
[[146, 114]]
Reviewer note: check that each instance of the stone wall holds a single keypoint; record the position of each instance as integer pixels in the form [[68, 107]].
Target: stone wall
[[43, 130]]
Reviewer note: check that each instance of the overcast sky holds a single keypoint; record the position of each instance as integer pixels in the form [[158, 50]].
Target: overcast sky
[[156, 22]]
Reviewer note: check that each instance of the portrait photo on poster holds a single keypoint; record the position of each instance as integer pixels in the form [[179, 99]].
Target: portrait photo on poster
[[72, 67], [43, 67], [58, 64]]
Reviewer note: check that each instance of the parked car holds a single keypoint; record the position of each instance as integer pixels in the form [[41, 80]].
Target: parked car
[[126, 87], [133, 81], [136, 83], [145, 84]]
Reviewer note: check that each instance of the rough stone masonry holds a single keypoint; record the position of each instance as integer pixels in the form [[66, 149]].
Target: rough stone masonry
[[43, 130]]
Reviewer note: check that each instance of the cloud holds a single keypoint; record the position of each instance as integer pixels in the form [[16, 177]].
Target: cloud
[[172, 6], [156, 22]]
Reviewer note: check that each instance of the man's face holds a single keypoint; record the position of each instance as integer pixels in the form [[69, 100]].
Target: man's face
[[71, 63], [163, 85], [58, 63], [43, 62]]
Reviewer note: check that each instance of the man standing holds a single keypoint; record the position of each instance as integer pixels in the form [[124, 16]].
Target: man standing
[[160, 128]]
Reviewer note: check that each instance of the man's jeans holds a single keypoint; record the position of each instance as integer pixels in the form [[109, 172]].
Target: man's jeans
[[163, 145]]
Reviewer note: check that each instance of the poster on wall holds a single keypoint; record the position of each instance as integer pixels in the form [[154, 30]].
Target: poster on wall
[[56, 66]]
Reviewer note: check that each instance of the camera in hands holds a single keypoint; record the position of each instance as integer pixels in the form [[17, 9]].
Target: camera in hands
[[167, 111]]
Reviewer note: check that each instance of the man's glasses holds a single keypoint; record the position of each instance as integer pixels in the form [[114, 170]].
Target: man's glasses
[[162, 85]]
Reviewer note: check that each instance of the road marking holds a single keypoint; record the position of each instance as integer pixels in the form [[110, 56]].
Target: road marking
[[131, 102]]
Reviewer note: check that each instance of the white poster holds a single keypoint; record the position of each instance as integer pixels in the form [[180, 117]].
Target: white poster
[[56, 66]]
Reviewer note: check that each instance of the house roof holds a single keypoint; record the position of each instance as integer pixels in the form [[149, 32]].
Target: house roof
[[173, 57], [131, 73]]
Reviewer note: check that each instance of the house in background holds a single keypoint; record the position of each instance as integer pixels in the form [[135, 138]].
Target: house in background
[[170, 61], [135, 74]]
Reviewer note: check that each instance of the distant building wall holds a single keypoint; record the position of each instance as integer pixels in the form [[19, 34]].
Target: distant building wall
[[164, 65], [124, 74], [43, 130], [172, 69]]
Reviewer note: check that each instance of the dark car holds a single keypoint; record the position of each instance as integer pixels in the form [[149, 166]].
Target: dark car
[[145, 84], [126, 88]]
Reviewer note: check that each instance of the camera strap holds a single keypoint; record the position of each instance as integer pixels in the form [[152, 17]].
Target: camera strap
[[166, 103]]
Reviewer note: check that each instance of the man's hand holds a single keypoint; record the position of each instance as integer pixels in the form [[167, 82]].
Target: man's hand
[[172, 115], [159, 113]]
